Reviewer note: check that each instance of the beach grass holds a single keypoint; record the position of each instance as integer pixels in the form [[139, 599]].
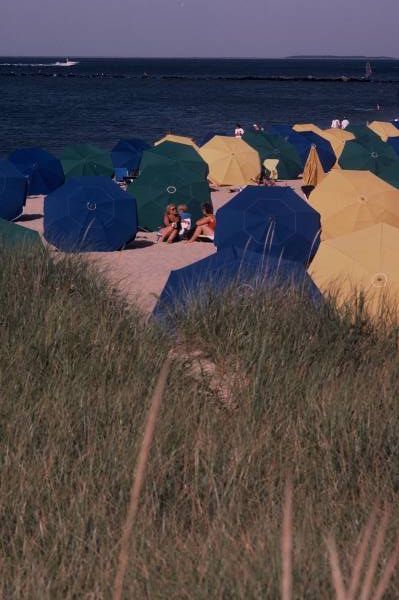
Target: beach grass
[[302, 444]]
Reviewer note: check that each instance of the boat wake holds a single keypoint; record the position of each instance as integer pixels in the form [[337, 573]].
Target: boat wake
[[69, 63]]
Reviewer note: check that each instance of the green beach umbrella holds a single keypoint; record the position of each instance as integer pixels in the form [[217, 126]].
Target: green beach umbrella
[[368, 154], [169, 153], [361, 131], [164, 181], [391, 174], [276, 147], [15, 236], [85, 159]]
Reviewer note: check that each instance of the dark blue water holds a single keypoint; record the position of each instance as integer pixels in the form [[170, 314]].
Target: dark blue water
[[100, 101]]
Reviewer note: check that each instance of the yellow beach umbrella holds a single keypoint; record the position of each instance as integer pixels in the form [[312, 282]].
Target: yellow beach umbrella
[[178, 139], [351, 200], [337, 138], [231, 161], [362, 262], [313, 173], [384, 129], [301, 127]]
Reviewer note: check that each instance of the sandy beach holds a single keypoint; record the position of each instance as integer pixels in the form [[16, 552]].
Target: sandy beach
[[141, 270]]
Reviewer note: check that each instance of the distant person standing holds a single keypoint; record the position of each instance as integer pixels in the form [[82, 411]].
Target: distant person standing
[[344, 123], [257, 128], [238, 132], [335, 124]]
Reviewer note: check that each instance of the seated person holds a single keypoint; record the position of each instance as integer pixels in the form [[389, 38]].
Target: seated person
[[172, 224], [185, 220], [205, 226]]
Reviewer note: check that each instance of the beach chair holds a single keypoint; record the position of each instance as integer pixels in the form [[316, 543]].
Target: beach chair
[[120, 174]]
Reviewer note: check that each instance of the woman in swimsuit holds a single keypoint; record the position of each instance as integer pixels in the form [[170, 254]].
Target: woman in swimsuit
[[171, 221], [206, 225]]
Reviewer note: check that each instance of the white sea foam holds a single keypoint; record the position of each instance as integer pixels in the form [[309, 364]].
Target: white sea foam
[[56, 64]]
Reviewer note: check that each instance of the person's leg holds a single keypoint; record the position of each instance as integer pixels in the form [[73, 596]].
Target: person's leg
[[166, 231], [172, 236], [196, 234]]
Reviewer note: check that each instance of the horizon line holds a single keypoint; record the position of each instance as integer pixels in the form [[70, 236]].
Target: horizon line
[[289, 57]]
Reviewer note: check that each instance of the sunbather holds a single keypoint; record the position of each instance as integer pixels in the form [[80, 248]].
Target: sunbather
[[206, 225], [172, 222]]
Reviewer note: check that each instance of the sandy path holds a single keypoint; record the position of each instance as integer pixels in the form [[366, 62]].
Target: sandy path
[[141, 270]]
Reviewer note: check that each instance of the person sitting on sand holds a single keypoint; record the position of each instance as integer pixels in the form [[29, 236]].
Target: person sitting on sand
[[206, 225], [185, 220], [172, 223]]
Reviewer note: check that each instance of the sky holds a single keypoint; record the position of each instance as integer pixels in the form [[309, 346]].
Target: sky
[[198, 28]]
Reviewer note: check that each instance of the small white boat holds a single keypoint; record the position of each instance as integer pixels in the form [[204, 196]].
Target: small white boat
[[67, 63]]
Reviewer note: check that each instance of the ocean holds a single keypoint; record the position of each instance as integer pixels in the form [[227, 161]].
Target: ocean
[[100, 101]]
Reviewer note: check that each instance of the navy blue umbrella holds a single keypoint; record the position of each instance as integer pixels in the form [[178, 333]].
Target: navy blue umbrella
[[230, 266], [394, 143], [301, 144], [323, 147], [43, 171], [127, 153], [272, 220], [89, 214], [12, 191], [396, 123]]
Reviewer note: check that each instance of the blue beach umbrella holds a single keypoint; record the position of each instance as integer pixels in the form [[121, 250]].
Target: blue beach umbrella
[[43, 170], [127, 153], [230, 266], [395, 122], [89, 213], [272, 220], [12, 191], [324, 149], [299, 141], [394, 143]]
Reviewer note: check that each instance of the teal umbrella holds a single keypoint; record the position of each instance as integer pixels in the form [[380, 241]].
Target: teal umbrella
[[15, 236], [368, 154], [170, 153], [164, 180], [85, 159], [275, 146]]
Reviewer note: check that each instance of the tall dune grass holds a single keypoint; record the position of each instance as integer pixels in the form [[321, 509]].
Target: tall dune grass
[[315, 402]]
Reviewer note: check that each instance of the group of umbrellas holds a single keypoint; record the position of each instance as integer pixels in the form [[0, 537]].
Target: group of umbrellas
[[354, 208]]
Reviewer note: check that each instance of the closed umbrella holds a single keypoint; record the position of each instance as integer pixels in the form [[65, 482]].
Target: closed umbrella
[[231, 161], [89, 214], [364, 262], [367, 154], [86, 160], [384, 129], [165, 180], [324, 149], [14, 236], [42, 170], [272, 146], [13, 187], [177, 139], [230, 266], [351, 200], [126, 154], [274, 221], [313, 173]]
